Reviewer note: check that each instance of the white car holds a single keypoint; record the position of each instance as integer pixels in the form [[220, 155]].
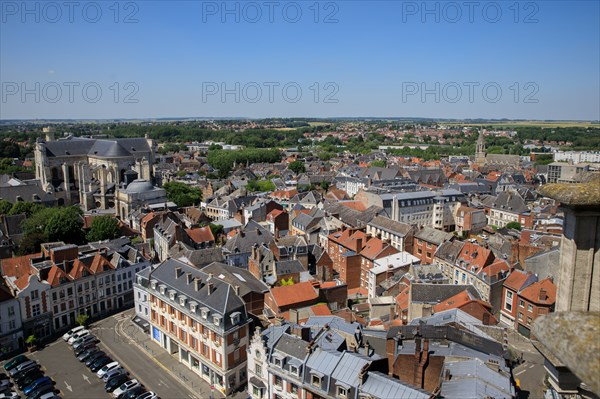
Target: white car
[[78, 335], [9, 395], [110, 366], [126, 386], [72, 331], [148, 395]]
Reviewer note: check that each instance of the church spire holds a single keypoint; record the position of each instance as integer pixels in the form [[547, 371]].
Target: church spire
[[480, 151]]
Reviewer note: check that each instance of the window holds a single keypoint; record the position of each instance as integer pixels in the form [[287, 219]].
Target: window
[[11, 311], [277, 362], [255, 391], [294, 370], [341, 392], [35, 294], [294, 389], [520, 316], [258, 369], [278, 381], [12, 325], [54, 297], [508, 301], [315, 380], [522, 303], [529, 320], [36, 310], [530, 308]]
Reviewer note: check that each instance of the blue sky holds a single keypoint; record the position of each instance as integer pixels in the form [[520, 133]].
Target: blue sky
[[505, 59]]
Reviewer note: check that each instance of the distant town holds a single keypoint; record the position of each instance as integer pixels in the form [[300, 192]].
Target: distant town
[[301, 258]]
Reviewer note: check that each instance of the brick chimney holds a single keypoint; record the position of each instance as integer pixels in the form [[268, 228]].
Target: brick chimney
[[422, 366], [359, 245]]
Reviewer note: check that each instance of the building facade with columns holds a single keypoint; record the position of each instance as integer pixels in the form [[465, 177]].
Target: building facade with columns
[[88, 171]]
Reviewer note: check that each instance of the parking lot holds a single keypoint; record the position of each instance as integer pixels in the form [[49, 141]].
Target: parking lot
[[72, 378]]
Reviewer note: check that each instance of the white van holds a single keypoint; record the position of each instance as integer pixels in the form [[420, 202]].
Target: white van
[[77, 335]]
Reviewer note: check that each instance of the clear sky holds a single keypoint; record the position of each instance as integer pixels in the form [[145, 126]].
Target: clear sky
[[503, 59]]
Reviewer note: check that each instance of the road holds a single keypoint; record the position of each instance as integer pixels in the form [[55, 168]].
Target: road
[[125, 343], [531, 372]]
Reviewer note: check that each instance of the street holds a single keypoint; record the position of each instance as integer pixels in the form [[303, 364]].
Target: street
[[531, 372]]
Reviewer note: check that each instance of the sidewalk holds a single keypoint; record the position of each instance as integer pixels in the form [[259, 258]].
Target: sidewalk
[[170, 364]]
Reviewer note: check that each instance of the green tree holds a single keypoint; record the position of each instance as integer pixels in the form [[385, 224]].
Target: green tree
[[28, 208], [5, 206], [57, 224], [183, 194], [104, 227], [285, 283], [82, 318], [30, 341], [514, 225], [379, 163], [297, 167], [31, 243], [260, 185]]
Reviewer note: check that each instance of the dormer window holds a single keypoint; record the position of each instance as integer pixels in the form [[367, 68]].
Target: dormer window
[[217, 320], [162, 289], [172, 295], [204, 312], [193, 306], [182, 300], [153, 284], [315, 379], [235, 318]]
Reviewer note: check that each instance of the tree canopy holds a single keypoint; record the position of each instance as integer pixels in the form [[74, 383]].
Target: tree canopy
[[183, 194], [103, 227], [297, 167]]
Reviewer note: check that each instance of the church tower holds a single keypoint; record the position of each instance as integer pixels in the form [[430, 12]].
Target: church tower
[[480, 151]]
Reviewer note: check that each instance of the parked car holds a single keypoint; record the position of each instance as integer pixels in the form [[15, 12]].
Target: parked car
[[50, 395], [30, 379], [126, 386], [84, 355], [9, 395], [99, 363], [83, 348], [36, 384], [91, 359], [14, 362], [110, 366], [83, 341], [42, 390], [132, 393], [115, 382], [72, 332], [77, 335], [148, 395], [113, 372], [4, 383], [22, 367], [18, 378]]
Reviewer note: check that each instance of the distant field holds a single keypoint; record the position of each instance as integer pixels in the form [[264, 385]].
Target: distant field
[[319, 123], [529, 124], [285, 129]]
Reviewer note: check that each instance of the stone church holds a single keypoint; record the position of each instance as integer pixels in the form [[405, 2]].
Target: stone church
[[89, 171], [494, 161]]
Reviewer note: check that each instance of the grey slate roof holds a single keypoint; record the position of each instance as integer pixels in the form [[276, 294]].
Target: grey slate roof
[[98, 148], [434, 293], [380, 386], [222, 300], [349, 366], [432, 235], [391, 226], [288, 267], [473, 379], [291, 346], [236, 276]]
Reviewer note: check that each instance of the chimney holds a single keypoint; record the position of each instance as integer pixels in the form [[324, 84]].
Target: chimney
[[197, 284], [177, 272], [418, 350], [189, 277], [367, 348], [236, 288], [294, 316], [210, 287], [543, 295], [359, 245]]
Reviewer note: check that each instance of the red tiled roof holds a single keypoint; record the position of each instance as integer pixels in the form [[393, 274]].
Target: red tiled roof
[[356, 205], [100, 264], [274, 213], [532, 293], [475, 255], [374, 248], [357, 292], [328, 284], [320, 309], [54, 276], [516, 280], [292, 294], [499, 265], [20, 268], [200, 234]]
